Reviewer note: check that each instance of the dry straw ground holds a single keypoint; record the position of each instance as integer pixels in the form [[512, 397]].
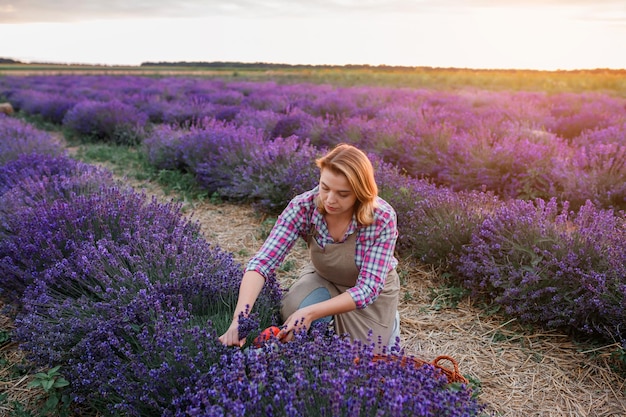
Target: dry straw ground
[[521, 373]]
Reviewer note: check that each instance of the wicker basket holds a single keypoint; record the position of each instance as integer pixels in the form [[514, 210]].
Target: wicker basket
[[453, 375]]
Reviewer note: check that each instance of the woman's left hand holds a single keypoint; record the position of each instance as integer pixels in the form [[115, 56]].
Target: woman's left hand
[[300, 320]]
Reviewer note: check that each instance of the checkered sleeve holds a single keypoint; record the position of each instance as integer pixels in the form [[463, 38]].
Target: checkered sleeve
[[375, 256], [290, 225]]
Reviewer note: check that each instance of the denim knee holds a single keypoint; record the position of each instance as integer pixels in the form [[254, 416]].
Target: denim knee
[[317, 296]]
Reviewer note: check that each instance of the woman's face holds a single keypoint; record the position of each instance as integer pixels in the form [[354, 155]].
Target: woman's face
[[336, 193]]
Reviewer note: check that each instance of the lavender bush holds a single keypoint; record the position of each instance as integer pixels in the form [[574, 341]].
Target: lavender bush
[[33, 166], [515, 164], [434, 223], [263, 120], [111, 121], [51, 232], [442, 223], [161, 147], [227, 113], [265, 96], [214, 152], [29, 168], [550, 267], [188, 112], [317, 375], [50, 106], [110, 283], [402, 192], [18, 137], [601, 171], [412, 139], [34, 179], [136, 322], [296, 123], [575, 114], [273, 174]]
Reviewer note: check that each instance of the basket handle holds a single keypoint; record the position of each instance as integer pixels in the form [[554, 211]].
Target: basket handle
[[456, 372]]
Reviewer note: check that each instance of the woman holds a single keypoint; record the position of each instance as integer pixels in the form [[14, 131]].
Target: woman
[[351, 234]]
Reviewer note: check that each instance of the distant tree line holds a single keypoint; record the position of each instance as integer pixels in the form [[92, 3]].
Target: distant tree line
[[263, 65], [270, 66], [276, 66], [9, 61]]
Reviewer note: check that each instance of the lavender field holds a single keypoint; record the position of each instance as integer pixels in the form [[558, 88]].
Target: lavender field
[[517, 197]]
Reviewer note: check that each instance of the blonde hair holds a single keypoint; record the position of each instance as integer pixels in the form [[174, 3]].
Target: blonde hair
[[355, 165]]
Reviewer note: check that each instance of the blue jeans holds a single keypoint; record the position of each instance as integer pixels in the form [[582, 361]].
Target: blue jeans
[[317, 296], [321, 294]]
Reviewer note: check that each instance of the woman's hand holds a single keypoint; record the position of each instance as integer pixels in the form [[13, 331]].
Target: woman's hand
[[300, 320], [231, 337], [303, 318], [249, 289]]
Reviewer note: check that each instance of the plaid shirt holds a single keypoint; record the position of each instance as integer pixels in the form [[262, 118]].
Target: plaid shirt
[[375, 244]]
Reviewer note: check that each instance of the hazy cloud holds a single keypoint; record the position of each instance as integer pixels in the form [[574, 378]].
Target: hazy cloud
[[22, 11]]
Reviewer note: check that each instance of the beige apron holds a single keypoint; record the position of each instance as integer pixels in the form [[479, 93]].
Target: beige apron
[[334, 268]]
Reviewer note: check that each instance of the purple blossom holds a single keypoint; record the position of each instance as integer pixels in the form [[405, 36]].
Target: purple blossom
[[214, 151], [31, 168], [272, 174], [162, 147], [317, 375], [50, 106], [18, 138], [434, 223], [50, 232], [600, 171], [111, 121], [296, 123], [136, 316], [552, 267]]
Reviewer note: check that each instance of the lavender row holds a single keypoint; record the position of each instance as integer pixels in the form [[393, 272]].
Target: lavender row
[[564, 272], [129, 299], [517, 144], [544, 264], [265, 162]]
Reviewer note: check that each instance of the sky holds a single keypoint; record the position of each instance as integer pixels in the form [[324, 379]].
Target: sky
[[497, 34]]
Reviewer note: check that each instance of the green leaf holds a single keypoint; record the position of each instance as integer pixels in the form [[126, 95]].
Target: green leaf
[[54, 370], [52, 402], [60, 383], [46, 385]]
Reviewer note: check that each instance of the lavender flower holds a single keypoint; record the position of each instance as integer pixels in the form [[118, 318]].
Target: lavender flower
[[18, 137], [317, 375], [248, 323], [161, 147], [50, 232], [111, 121], [50, 106], [296, 123], [216, 150], [31, 168], [550, 267], [136, 319], [273, 174]]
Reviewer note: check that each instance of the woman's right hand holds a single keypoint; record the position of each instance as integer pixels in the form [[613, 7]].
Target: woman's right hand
[[249, 289], [231, 337]]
